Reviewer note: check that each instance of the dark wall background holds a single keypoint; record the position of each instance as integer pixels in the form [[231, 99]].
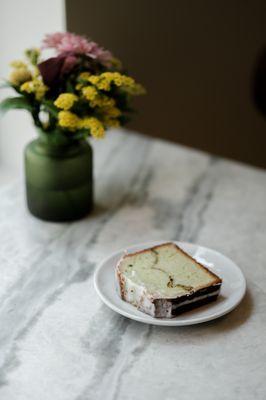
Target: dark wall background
[[196, 59]]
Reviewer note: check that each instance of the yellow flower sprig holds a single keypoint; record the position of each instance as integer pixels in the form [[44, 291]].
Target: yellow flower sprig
[[65, 101], [95, 98], [105, 80], [90, 93], [84, 76], [23, 72], [35, 86], [27, 78], [104, 105], [106, 110], [70, 121], [95, 127], [20, 73]]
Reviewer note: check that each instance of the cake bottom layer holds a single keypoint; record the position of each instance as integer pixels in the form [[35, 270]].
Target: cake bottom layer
[[191, 305], [170, 308]]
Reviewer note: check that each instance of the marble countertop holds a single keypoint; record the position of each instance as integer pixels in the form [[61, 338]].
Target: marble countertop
[[59, 342]]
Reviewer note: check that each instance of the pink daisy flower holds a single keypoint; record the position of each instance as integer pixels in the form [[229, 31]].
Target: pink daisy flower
[[71, 43]]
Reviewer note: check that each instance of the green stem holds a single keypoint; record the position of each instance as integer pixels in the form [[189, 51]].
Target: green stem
[[35, 116]]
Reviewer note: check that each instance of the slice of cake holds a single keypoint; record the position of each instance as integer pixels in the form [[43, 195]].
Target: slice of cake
[[164, 281]]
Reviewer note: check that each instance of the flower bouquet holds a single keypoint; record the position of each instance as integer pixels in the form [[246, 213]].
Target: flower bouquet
[[79, 92]]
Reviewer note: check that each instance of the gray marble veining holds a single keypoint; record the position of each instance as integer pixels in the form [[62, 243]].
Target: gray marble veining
[[58, 341]]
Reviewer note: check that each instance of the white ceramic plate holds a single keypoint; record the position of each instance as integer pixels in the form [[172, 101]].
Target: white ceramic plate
[[232, 291]]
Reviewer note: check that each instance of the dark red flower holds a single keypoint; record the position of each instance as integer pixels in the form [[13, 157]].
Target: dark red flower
[[53, 69]]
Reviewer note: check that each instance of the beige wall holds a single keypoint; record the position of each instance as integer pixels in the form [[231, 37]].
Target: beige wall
[[196, 59], [22, 25]]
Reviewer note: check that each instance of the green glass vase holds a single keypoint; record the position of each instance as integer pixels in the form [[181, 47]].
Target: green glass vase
[[59, 179]]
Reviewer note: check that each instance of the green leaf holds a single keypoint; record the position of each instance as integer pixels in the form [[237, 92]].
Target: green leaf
[[81, 134], [12, 103], [69, 87], [50, 107], [32, 55]]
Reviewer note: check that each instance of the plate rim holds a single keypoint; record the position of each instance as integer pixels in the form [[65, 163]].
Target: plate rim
[[146, 319]]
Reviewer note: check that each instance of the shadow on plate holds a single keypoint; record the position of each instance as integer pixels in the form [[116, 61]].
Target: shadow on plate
[[221, 325]]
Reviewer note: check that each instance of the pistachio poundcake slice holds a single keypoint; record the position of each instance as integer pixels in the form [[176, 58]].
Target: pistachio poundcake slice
[[164, 281]]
